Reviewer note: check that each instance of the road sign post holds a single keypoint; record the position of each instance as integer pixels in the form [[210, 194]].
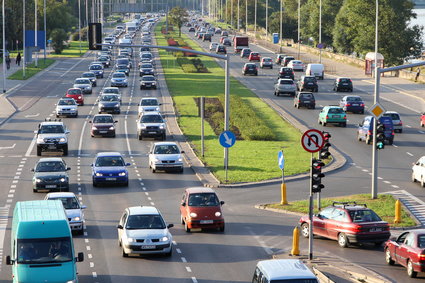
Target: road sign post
[[227, 139], [281, 162]]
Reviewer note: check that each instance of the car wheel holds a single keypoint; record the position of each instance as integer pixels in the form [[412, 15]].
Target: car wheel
[[342, 240], [181, 170], [324, 124], [422, 124], [298, 106], [140, 137], [222, 228], [170, 253], [388, 258], [305, 230], [400, 131], [344, 124], [318, 121], [34, 190], [412, 273], [126, 184], [316, 90], [164, 137], [181, 219], [57, 116], [368, 141], [153, 170], [65, 150], [38, 151], [413, 178], [390, 142], [94, 183], [186, 227], [359, 138], [124, 254], [422, 182]]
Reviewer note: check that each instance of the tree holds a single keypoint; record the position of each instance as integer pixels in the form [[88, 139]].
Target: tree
[[177, 16], [354, 29], [58, 37]]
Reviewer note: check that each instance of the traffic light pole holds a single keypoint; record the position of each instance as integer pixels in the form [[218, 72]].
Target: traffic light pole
[[310, 213], [374, 151]]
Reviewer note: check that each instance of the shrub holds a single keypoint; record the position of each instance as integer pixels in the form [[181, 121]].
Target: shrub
[[74, 36], [58, 37]]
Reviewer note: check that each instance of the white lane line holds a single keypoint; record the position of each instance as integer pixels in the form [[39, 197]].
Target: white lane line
[[89, 248], [408, 153], [8, 147], [31, 146], [72, 67], [394, 186], [394, 145], [89, 255], [91, 264], [178, 251], [94, 274], [387, 182], [422, 132], [80, 144], [188, 269], [152, 203], [379, 178], [183, 259], [408, 126], [126, 137], [364, 170], [194, 280]]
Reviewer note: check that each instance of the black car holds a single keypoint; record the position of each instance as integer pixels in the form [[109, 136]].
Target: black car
[[123, 68], [286, 73], [245, 52], [105, 61], [308, 83], [206, 36], [192, 29], [304, 99], [146, 69], [50, 174], [227, 42], [250, 69], [343, 84], [221, 49], [91, 76]]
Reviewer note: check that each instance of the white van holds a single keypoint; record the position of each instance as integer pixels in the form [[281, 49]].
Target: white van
[[280, 270], [317, 70]]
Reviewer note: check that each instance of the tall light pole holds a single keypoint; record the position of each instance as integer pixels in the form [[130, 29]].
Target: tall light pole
[[238, 24], [35, 33], [4, 47], [299, 25], [79, 23], [231, 13], [87, 18], [246, 16], [267, 18], [24, 42], [320, 31], [255, 18], [45, 31], [375, 100], [281, 22]]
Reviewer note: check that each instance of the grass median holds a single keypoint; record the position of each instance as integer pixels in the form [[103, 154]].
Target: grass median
[[249, 160]]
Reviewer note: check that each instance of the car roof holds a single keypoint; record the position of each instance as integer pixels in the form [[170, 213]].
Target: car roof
[[338, 78], [108, 153], [353, 96], [61, 195], [194, 190], [81, 79], [332, 106], [148, 76], [391, 112], [102, 115], [142, 210], [50, 159], [281, 269], [150, 113], [66, 98], [150, 97], [165, 143], [52, 123]]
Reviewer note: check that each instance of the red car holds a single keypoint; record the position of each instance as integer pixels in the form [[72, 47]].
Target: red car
[[254, 56], [77, 94], [349, 223], [200, 208], [408, 250], [423, 120]]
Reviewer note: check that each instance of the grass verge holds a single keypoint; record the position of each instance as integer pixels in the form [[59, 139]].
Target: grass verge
[[384, 206], [31, 70], [248, 160], [73, 50]]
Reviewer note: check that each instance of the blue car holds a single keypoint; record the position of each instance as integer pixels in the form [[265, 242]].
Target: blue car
[[109, 168], [365, 129]]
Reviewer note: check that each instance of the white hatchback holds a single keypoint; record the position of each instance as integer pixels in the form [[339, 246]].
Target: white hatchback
[[418, 171]]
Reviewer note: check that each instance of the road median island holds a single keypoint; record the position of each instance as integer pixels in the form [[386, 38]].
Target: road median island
[[250, 159]]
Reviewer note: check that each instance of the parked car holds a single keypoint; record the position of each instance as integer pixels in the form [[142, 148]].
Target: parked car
[[408, 250], [332, 114], [365, 129], [285, 86], [286, 73], [254, 56], [250, 69], [109, 103], [397, 123], [165, 156], [221, 49], [91, 76], [304, 99], [348, 223], [151, 124], [341, 84], [148, 82], [296, 65], [352, 103], [266, 62], [201, 208], [66, 107], [109, 168], [50, 174], [308, 83], [103, 125], [76, 94], [418, 171], [143, 230], [148, 104], [84, 84], [119, 79], [73, 209]]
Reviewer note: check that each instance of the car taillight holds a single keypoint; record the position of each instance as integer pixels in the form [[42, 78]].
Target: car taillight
[[369, 133], [357, 229], [347, 104], [422, 257], [362, 104], [392, 132], [327, 117], [345, 117], [401, 123]]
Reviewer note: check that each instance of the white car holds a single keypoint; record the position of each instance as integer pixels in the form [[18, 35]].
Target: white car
[[111, 90], [148, 104], [418, 171], [84, 84], [165, 156], [398, 124], [296, 65], [213, 46], [142, 230], [73, 208], [67, 106], [151, 124], [266, 62]]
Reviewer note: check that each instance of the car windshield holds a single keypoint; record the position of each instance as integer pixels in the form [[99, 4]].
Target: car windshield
[[52, 129], [393, 116], [286, 82], [146, 56], [67, 102], [295, 281], [122, 61], [149, 102], [421, 241], [95, 67], [68, 202], [108, 161], [103, 59], [364, 215], [82, 81], [145, 222], [151, 119], [354, 99], [103, 119], [41, 251], [109, 98], [267, 60], [167, 149], [89, 75], [335, 111], [50, 166], [74, 91], [118, 75], [148, 79], [306, 95], [146, 66], [345, 80], [310, 79], [203, 199], [121, 67], [111, 90]]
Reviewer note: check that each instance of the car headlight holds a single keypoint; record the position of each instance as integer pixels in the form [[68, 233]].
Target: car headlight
[[76, 218], [40, 140], [143, 126], [37, 180], [122, 174], [218, 214], [62, 179], [111, 128], [164, 239], [143, 83], [131, 240], [180, 159], [161, 127], [79, 97], [99, 174], [157, 160], [62, 140], [94, 128], [117, 105], [71, 281], [193, 215]]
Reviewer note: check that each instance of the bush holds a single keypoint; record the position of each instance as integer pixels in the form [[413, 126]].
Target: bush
[[58, 37], [74, 36]]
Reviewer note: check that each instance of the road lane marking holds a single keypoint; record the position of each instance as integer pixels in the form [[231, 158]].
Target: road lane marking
[[188, 269], [183, 259], [31, 146], [194, 280], [80, 144], [387, 182], [178, 251], [32, 115], [408, 153]]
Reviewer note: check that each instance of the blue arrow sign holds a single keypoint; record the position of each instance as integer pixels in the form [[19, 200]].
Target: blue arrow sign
[[281, 160], [227, 139]]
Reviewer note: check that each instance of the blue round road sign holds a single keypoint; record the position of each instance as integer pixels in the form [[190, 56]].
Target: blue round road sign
[[227, 139], [281, 160]]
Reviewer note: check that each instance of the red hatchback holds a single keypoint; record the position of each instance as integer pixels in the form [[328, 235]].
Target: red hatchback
[[349, 223], [77, 94], [254, 56], [423, 120], [200, 208], [408, 250]]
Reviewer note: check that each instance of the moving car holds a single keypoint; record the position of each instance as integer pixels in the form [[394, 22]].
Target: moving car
[[148, 81], [97, 69], [296, 65], [285, 86], [84, 84], [52, 136], [418, 171], [119, 79], [266, 62], [105, 61], [50, 174], [148, 104], [213, 46], [283, 270], [142, 230], [221, 49], [151, 124], [245, 52], [408, 250], [250, 69], [109, 168], [397, 123], [308, 83], [348, 223], [122, 69], [103, 125], [279, 58], [254, 56], [332, 114], [165, 156], [76, 94], [111, 90], [91, 76], [146, 69], [227, 41], [352, 103], [343, 84], [286, 60], [201, 208], [422, 120], [109, 103], [67, 107], [286, 73], [206, 36], [304, 99], [73, 209], [365, 129], [317, 70]]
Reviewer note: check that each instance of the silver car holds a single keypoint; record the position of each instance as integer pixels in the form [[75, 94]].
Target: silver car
[[111, 90], [398, 124], [67, 107], [119, 79], [151, 124], [148, 104], [285, 86], [165, 156], [84, 84]]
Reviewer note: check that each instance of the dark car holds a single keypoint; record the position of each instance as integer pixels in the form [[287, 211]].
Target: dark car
[[279, 58], [109, 168], [91, 76], [245, 52], [97, 69], [123, 69], [286, 60], [304, 99], [221, 49], [105, 61], [286, 73], [109, 103], [343, 84], [348, 223], [352, 103], [206, 36], [227, 41], [123, 61], [103, 125], [50, 174], [250, 69], [308, 83], [365, 129], [191, 29], [146, 69]]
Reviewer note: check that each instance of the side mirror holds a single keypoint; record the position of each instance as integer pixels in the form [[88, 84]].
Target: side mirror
[[80, 257], [91, 165], [68, 168], [67, 132], [119, 226], [35, 132], [32, 169], [170, 225], [90, 122], [221, 202], [360, 125], [127, 164], [83, 207], [182, 151], [115, 121], [8, 260], [183, 204]]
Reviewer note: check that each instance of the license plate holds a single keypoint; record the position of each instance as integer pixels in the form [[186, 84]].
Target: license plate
[[52, 146], [148, 247], [110, 179], [307, 101], [103, 132], [344, 84], [309, 83], [335, 116], [375, 229], [152, 132], [50, 186], [355, 104], [207, 221]]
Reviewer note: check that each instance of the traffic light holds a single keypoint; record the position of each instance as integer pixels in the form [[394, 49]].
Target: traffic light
[[324, 151], [380, 136], [95, 36], [317, 175]]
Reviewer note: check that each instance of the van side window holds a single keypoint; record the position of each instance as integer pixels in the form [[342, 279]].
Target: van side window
[[123, 218], [257, 276]]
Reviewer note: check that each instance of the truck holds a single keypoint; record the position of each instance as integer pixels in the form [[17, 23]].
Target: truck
[[131, 27], [239, 43], [42, 249]]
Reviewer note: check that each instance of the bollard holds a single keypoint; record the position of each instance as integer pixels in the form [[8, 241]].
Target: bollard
[[296, 242], [284, 201], [397, 217]]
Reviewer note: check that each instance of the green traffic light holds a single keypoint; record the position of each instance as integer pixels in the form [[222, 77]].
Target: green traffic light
[[380, 145]]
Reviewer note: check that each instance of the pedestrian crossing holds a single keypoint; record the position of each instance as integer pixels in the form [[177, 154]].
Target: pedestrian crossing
[[412, 203], [4, 217]]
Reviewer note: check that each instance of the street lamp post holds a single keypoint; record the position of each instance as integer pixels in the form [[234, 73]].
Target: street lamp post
[[35, 33], [375, 100], [4, 47], [267, 18], [255, 18], [320, 32], [24, 42], [79, 23], [231, 13], [45, 31], [281, 22], [299, 25], [246, 16], [238, 24]]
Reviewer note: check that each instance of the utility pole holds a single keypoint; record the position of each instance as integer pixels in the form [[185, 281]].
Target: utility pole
[[255, 18], [299, 25], [320, 31], [281, 22], [238, 24], [231, 13], [35, 33], [375, 100], [267, 18]]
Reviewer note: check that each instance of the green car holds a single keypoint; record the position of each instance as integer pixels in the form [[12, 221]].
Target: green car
[[334, 115]]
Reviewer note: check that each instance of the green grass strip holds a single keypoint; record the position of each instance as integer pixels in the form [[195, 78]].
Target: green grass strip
[[73, 50], [31, 70], [248, 160]]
